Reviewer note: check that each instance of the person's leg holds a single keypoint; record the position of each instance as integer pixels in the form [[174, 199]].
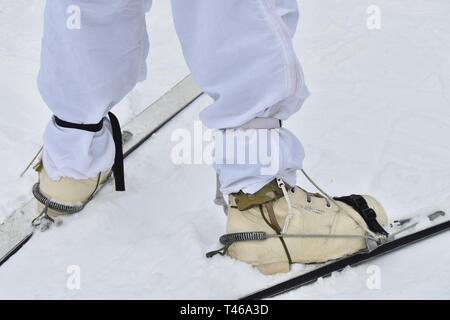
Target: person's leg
[[241, 54], [93, 53]]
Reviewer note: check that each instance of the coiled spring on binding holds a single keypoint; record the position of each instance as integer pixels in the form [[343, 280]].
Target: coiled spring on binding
[[44, 220], [228, 239], [242, 236], [54, 205]]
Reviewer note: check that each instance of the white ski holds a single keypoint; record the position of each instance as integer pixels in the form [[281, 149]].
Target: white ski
[[16, 230]]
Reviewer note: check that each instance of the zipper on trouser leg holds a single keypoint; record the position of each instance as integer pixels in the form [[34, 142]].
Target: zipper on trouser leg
[[292, 76]]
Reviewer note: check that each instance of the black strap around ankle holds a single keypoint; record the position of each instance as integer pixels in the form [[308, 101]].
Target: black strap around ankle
[[118, 169]]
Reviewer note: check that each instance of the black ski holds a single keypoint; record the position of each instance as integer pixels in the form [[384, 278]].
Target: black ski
[[353, 260]]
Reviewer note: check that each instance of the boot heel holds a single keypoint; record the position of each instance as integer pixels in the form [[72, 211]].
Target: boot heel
[[273, 268]]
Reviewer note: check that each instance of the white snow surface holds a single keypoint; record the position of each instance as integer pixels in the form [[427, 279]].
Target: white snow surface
[[378, 122]]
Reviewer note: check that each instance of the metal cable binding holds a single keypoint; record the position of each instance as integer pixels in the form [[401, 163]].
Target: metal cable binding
[[228, 239], [261, 235], [44, 220]]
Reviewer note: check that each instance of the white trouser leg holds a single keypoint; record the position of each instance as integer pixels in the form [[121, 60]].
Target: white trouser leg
[[93, 54], [240, 52]]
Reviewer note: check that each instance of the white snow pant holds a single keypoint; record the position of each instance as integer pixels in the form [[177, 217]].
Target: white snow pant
[[240, 53]]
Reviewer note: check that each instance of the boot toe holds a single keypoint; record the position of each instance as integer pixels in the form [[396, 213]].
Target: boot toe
[[382, 217]]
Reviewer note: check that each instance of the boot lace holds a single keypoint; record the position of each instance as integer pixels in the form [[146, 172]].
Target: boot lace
[[328, 199]]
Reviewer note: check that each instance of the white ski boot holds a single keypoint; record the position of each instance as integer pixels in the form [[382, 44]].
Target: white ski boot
[[281, 225]]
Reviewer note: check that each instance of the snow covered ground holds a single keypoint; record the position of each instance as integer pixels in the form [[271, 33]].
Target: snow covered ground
[[378, 121]]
